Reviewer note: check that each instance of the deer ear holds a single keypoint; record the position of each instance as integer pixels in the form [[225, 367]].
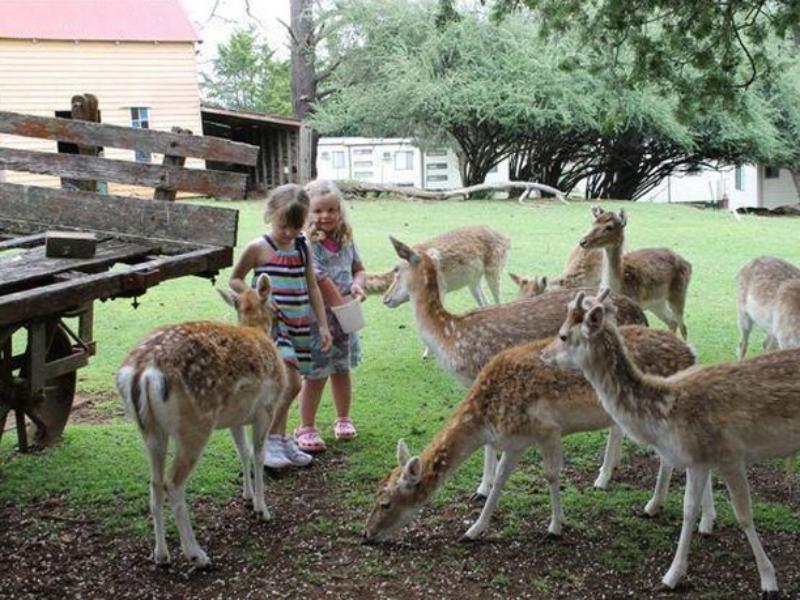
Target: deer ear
[[604, 292], [412, 471], [593, 321], [597, 211], [623, 218], [543, 282], [516, 279], [578, 301], [230, 297], [263, 286], [403, 455], [404, 251]]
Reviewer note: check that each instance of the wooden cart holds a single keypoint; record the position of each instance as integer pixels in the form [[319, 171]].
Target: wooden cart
[[139, 243]]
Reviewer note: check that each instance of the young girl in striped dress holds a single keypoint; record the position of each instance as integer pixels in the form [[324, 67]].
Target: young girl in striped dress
[[283, 254]]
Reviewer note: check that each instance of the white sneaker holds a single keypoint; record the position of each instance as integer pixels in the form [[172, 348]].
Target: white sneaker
[[274, 455], [294, 455]]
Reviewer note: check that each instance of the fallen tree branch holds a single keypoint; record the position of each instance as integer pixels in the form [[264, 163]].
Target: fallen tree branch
[[363, 188]]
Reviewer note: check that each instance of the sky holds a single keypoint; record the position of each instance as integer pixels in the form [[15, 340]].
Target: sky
[[230, 14]]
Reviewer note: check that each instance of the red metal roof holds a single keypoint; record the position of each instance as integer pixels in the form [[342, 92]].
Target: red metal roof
[[112, 20]]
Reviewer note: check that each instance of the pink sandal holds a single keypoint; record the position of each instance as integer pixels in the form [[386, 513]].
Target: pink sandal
[[308, 439], [343, 429]]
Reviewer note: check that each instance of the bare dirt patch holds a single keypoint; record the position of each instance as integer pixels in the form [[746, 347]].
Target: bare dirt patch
[[95, 408], [312, 549]]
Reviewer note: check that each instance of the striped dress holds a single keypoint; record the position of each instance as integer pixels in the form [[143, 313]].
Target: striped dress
[[292, 329]]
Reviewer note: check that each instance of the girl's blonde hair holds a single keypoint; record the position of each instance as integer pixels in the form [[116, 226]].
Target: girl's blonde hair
[[287, 205], [343, 234]]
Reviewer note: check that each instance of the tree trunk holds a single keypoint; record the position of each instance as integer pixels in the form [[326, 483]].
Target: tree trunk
[[304, 71]]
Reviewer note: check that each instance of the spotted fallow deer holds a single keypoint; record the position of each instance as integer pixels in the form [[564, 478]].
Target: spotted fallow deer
[[516, 402], [184, 381], [465, 343], [656, 278], [769, 296], [722, 417], [583, 270]]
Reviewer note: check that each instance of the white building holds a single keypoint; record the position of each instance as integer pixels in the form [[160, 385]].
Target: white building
[[744, 186], [394, 161]]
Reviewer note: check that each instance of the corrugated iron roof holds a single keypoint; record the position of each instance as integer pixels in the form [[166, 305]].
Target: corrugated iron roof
[[250, 116], [96, 20]]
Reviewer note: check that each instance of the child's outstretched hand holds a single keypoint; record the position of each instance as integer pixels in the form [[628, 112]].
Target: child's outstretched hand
[[357, 292], [325, 339]]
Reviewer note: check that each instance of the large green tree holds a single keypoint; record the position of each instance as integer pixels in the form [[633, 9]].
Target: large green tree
[[248, 76]]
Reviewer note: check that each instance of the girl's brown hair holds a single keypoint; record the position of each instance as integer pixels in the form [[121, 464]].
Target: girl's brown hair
[[287, 205], [343, 234]]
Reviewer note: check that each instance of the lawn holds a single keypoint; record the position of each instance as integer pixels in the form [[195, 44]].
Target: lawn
[[97, 478]]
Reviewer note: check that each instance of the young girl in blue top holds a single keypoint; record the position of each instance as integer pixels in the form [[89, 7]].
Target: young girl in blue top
[[340, 273], [284, 255]]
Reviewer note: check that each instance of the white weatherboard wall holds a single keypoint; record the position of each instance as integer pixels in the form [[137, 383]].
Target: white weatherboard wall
[[393, 161], [39, 78]]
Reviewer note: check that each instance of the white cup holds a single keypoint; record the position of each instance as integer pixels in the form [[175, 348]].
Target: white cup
[[350, 315]]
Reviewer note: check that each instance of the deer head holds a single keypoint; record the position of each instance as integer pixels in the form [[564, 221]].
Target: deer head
[[399, 497], [607, 229], [253, 306], [415, 272], [528, 288], [585, 317]]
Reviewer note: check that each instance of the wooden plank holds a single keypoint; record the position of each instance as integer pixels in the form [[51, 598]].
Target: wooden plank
[[25, 241], [219, 184], [33, 266], [162, 193], [114, 136], [41, 208], [59, 297]]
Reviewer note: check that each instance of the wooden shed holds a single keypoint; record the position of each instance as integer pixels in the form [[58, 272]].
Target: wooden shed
[[283, 143], [137, 57]]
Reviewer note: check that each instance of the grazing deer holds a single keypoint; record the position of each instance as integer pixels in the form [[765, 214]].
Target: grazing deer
[[186, 380], [656, 278], [769, 296], [583, 270], [723, 417], [465, 343], [516, 402]]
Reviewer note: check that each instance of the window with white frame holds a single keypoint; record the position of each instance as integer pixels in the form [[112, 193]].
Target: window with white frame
[[362, 151], [437, 166], [436, 152], [403, 160], [771, 172], [739, 178], [436, 178], [325, 155], [140, 119], [363, 174], [338, 159], [362, 163]]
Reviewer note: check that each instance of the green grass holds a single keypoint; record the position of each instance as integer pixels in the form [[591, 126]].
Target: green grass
[[102, 469]]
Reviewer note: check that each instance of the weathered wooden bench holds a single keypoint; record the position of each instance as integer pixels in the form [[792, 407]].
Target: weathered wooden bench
[[139, 243]]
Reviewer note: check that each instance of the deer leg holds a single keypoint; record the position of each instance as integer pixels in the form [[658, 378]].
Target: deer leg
[[770, 343], [508, 462], [745, 326], [611, 457], [663, 312], [477, 292], [240, 439], [553, 461], [487, 479], [736, 480], [696, 478], [426, 353], [493, 282], [709, 512], [188, 448], [156, 442], [261, 425], [662, 487]]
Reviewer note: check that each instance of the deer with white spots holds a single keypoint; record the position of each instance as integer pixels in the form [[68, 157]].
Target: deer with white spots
[[184, 381], [656, 278], [722, 417], [516, 402], [769, 296], [584, 269], [465, 343]]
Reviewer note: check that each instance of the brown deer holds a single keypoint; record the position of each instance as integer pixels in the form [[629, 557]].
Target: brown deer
[[184, 381], [769, 296], [656, 278], [722, 417], [516, 402], [583, 270], [465, 343]]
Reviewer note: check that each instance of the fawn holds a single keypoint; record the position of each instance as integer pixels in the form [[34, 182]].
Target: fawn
[[186, 380], [656, 278], [723, 417], [583, 270], [769, 296], [465, 343], [517, 401]]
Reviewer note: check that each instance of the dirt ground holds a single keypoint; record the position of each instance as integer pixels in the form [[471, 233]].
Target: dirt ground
[[312, 549]]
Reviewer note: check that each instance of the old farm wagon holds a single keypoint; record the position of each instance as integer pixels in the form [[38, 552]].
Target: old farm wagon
[[104, 247]]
